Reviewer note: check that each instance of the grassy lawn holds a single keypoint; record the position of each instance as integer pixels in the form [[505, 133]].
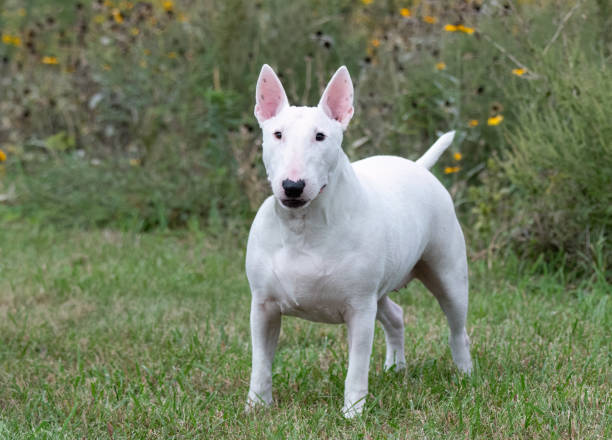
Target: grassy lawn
[[115, 335]]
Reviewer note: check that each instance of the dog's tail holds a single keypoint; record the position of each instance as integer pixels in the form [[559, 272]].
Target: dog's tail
[[431, 156]]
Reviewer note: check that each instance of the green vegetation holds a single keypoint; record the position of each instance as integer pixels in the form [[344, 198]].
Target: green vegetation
[[130, 168], [147, 336], [138, 115]]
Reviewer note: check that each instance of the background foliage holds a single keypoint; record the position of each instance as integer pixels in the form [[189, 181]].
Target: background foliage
[[138, 115]]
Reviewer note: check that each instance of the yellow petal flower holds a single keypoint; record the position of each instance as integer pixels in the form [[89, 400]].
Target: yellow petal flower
[[441, 65], [519, 72], [135, 31], [7, 39], [429, 19], [450, 28], [366, 2], [473, 122], [117, 15], [50, 60], [168, 6], [405, 12], [458, 156], [2, 156], [451, 170], [495, 120], [375, 42], [465, 29]]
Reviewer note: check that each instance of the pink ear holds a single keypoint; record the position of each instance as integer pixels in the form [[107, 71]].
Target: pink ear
[[270, 96], [337, 99]]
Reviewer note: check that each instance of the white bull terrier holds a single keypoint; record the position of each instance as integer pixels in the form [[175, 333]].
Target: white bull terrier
[[335, 238]]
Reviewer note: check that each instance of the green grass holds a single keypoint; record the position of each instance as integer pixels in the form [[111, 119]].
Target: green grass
[[117, 335]]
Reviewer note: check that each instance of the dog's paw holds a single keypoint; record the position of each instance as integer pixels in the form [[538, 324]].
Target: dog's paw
[[256, 401], [352, 410], [395, 367], [460, 349], [465, 366]]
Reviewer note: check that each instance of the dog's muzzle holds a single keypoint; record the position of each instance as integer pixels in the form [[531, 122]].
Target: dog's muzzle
[[293, 191]]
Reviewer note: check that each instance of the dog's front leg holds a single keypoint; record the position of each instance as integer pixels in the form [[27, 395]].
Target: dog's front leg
[[360, 325], [265, 328]]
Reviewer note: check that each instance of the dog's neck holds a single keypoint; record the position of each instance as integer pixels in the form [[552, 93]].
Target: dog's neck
[[336, 205]]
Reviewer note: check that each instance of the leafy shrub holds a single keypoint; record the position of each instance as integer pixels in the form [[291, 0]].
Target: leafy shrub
[[560, 163], [140, 113], [546, 191]]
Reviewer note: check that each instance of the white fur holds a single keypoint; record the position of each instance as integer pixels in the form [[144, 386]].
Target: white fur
[[366, 229]]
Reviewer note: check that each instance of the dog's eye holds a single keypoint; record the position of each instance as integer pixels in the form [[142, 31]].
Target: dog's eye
[[320, 137], [278, 135]]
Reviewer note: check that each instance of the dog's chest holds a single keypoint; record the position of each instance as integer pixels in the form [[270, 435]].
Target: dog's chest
[[312, 285]]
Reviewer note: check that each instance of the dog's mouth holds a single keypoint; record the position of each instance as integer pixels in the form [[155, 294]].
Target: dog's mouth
[[298, 203], [293, 203]]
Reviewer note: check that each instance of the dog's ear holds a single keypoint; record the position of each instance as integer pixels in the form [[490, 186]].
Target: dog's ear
[[337, 99], [270, 97]]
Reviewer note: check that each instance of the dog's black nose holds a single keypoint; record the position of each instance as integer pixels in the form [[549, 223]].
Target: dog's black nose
[[293, 189]]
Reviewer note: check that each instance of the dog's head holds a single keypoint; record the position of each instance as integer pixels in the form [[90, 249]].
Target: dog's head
[[302, 145]]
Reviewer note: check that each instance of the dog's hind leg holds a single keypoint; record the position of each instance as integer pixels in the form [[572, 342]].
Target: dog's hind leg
[[447, 279], [391, 317]]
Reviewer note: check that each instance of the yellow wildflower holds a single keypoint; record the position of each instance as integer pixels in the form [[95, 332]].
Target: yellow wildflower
[[450, 28], [108, 3], [441, 65], [429, 19], [9, 39], [117, 15], [168, 6], [467, 30], [473, 122], [451, 170], [134, 162], [366, 2], [405, 12], [135, 31], [375, 42], [99, 18], [495, 120], [49, 60], [2, 156], [519, 72], [172, 55], [106, 67], [458, 156]]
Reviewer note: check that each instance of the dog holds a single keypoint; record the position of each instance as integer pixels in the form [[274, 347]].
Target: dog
[[335, 238]]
